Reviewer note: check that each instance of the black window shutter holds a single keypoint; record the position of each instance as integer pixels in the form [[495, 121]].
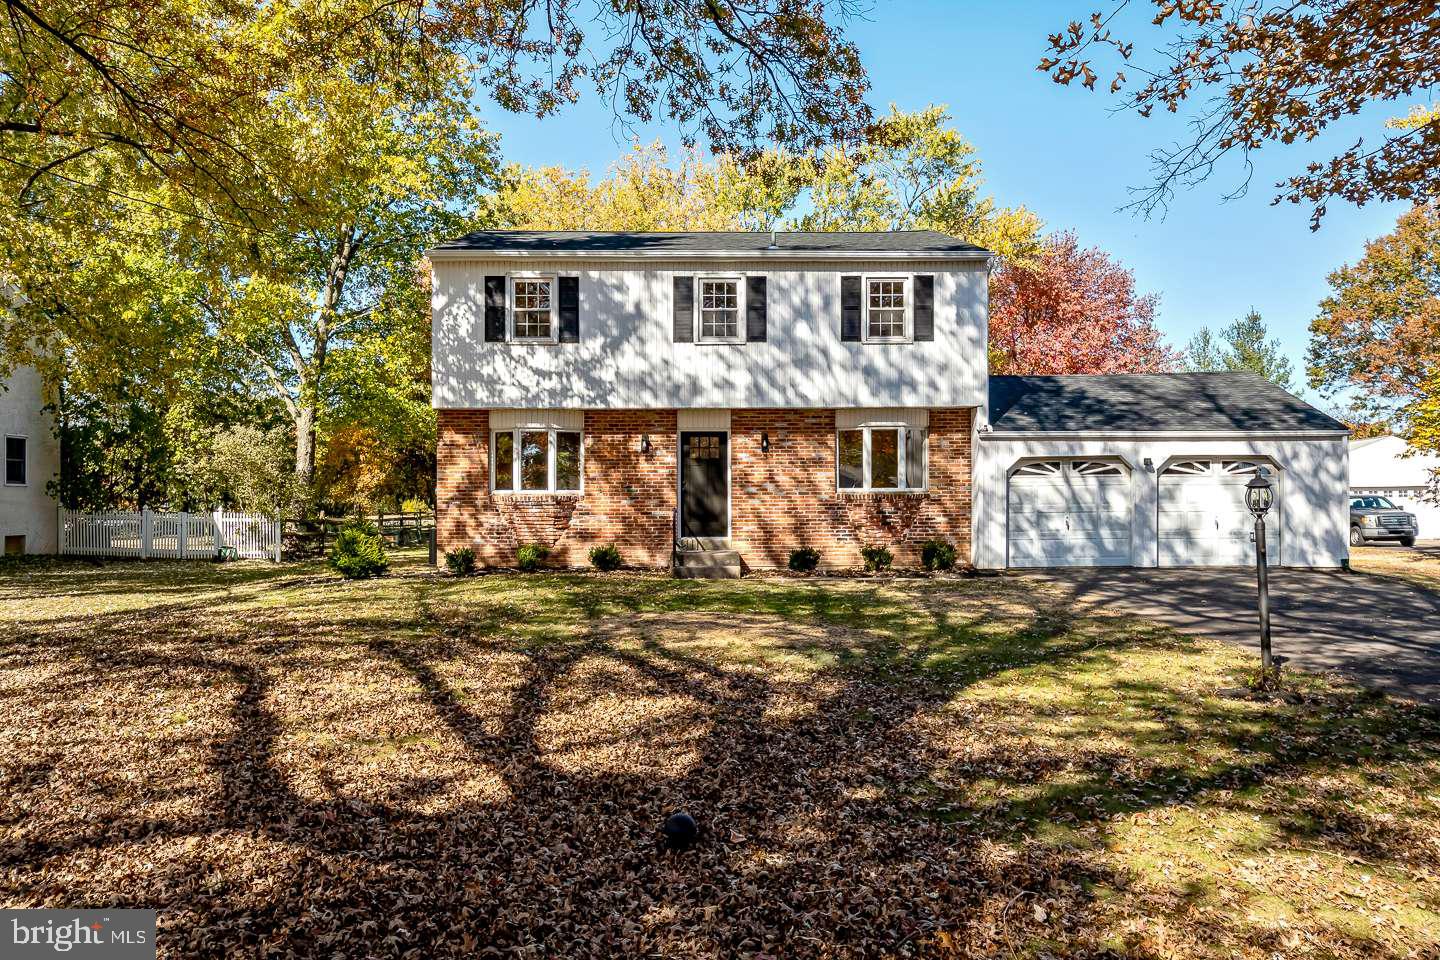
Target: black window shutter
[[684, 309], [924, 307], [569, 304], [755, 309], [494, 309], [850, 308]]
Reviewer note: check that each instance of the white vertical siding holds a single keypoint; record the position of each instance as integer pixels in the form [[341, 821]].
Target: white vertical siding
[[29, 510], [1315, 514], [626, 356]]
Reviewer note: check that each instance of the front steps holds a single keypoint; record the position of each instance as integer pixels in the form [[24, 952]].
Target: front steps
[[706, 558]]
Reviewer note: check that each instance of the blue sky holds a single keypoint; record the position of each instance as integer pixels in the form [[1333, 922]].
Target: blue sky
[[1063, 153]]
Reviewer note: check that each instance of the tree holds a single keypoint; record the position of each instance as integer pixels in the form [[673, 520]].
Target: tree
[[173, 87], [1073, 310], [913, 172], [1378, 333], [1241, 346], [1277, 74]]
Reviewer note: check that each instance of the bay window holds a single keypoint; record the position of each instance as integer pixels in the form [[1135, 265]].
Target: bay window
[[881, 458], [536, 461]]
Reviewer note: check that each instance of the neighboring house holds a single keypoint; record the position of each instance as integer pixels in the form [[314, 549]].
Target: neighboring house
[[1380, 466], [28, 515], [751, 394]]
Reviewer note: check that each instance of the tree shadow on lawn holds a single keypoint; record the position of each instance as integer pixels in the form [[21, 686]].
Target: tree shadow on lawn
[[878, 769]]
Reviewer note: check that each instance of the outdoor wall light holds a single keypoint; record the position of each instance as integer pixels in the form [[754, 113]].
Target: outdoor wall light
[[1149, 465], [764, 442], [645, 444]]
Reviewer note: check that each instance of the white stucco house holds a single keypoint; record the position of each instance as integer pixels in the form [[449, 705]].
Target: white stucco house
[[28, 514], [1386, 467]]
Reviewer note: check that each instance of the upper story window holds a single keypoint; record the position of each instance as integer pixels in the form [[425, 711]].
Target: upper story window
[[720, 300], [15, 461], [532, 308], [536, 461], [887, 309]]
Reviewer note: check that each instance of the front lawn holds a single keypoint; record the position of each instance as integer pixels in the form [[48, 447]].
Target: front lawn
[[286, 764], [1419, 565]]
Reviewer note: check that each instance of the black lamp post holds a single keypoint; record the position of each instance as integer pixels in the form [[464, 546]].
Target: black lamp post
[[1259, 496]]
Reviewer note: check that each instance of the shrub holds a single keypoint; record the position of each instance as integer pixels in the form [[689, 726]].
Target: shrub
[[876, 558], [359, 551], [605, 558], [413, 505], [460, 562], [937, 555], [530, 556], [804, 560]]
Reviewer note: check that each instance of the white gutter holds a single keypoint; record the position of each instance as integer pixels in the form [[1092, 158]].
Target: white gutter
[[1164, 434], [443, 253]]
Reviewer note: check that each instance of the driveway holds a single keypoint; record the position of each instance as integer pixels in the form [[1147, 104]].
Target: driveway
[[1381, 631]]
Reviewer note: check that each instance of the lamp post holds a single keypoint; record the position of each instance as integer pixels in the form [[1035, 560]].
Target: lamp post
[[1259, 496]]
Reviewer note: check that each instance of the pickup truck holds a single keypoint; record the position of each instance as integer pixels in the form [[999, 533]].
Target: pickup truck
[[1376, 518]]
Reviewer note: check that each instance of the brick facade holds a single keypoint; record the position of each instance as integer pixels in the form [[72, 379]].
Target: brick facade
[[780, 500]]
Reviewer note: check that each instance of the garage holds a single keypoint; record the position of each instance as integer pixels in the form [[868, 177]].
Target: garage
[[1074, 512], [1203, 519], [1150, 470]]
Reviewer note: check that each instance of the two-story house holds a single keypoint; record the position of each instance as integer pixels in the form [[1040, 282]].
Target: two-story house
[[28, 515], [743, 395]]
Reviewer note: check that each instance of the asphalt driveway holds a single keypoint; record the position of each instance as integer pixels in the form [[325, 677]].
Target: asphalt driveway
[[1379, 630]]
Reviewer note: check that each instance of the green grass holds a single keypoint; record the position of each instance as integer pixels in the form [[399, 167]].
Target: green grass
[[978, 767]]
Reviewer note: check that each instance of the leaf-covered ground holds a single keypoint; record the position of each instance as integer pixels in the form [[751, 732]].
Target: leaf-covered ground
[[288, 765]]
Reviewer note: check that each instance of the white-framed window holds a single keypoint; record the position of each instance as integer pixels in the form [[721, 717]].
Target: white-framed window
[[887, 309], [533, 308], [721, 307], [880, 458], [16, 461], [536, 460]]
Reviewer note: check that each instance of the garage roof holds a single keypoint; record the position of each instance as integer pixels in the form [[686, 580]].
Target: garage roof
[[717, 243], [1152, 402]]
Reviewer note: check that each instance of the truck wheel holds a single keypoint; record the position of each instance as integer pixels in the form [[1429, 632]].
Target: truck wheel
[[1407, 541], [1357, 539]]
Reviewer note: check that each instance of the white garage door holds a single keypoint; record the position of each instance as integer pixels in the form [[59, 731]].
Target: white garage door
[[1203, 517], [1069, 513]]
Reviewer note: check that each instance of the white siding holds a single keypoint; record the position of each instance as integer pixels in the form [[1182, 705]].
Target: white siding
[[626, 356], [28, 510], [1315, 510], [702, 420]]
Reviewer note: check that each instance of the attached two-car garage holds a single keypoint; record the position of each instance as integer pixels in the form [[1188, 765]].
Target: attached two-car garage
[[1079, 511], [1150, 470]]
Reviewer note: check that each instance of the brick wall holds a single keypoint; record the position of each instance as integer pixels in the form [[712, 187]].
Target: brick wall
[[780, 500], [786, 498], [629, 497]]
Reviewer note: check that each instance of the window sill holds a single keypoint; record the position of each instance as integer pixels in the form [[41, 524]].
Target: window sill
[[537, 494], [535, 341], [907, 492], [713, 342]]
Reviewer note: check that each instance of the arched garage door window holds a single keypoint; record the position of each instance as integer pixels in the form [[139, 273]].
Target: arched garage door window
[[1203, 519], [1069, 512]]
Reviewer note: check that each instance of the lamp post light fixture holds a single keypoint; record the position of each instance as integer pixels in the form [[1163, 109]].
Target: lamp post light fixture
[[1259, 497]]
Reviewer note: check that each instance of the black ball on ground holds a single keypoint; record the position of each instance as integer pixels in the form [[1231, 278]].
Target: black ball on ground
[[680, 831]]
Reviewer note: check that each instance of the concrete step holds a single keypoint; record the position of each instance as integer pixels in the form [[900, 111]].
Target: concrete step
[[704, 543], [708, 565]]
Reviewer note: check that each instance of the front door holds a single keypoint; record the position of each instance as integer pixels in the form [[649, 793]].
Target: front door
[[704, 484]]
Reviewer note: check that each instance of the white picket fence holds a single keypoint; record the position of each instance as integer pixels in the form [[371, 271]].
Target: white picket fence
[[176, 536]]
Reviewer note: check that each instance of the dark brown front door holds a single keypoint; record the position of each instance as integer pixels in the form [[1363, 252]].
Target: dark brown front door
[[704, 485]]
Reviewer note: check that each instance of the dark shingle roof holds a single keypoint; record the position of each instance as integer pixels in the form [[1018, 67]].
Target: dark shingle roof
[[681, 244], [1186, 402]]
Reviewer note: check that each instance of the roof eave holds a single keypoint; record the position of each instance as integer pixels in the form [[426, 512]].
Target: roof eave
[[450, 253], [1275, 434]]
